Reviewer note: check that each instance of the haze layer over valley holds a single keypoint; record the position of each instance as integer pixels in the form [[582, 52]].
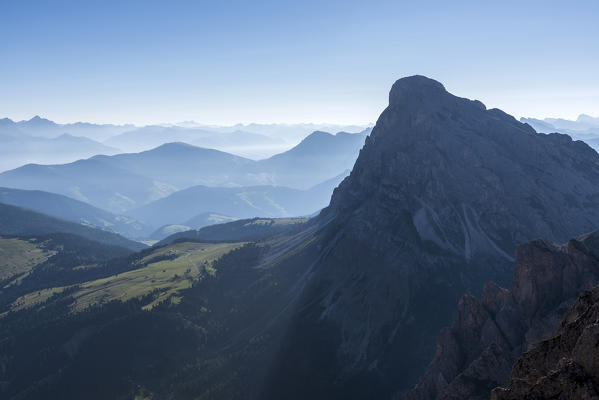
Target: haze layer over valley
[[169, 188], [42, 141]]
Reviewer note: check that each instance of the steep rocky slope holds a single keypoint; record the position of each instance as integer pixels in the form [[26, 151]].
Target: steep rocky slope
[[477, 353], [439, 197], [565, 366]]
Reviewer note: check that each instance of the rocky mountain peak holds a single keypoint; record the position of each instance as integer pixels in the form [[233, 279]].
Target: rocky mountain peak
[[415, 88], [456, 167]]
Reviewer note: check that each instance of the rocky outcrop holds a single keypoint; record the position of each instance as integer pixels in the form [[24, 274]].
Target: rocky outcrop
[[476, 354], [565, 366], [440, 196]]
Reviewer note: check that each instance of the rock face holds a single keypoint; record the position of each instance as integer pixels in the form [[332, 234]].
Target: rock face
[[475, 181], [440, 196], [477, 353], [565, 366]]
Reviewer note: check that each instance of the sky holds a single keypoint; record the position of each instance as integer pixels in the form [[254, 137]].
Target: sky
[[225, 62]]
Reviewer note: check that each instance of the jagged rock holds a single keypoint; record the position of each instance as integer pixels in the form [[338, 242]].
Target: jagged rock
[[565, 366], [547, 278], [586, 350]]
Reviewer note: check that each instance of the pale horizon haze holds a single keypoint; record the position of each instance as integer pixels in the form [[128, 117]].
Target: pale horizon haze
[[149, 62]]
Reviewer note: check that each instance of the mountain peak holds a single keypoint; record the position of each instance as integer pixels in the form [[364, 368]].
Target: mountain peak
[[418, 89], [414, 86], [318, 134], [176, 145], [37, 120], [6, 122], [428, 142]]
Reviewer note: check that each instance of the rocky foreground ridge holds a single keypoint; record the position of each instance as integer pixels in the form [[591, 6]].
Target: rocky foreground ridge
[[565, 366], [477, 352]]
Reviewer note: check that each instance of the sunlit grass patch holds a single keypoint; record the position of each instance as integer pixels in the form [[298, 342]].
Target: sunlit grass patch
[[18, 257], [165, 272]]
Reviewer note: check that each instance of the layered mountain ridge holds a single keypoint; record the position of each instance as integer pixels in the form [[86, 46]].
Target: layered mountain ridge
[[23, 222], [63, 207], [125, 181]]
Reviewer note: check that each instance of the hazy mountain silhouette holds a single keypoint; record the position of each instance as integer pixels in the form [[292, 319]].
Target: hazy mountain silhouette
[[584, 127], [321, 153], [182, 165], [148, 137], [208, 218], [256, 141], [63, 207], [199, 221], [42, 127], [292, 133], [19, 221], [242, 202], [92, 181], [20, 147], [125, 181]]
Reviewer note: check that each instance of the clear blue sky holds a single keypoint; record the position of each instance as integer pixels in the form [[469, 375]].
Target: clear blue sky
[[280, 61]]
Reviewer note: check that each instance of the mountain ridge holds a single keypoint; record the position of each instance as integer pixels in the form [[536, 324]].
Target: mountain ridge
[[17, 221], [69, 209], [121, 182]]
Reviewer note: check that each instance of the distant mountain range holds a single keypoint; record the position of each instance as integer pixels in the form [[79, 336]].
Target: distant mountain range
[[182, 165], [322, 154], [199, 221], [148, 137], [42, 141], [42, 127], [64, 207], [126, 181], [208, 218], [244, 202], [92, 181], [22, 222], [290, 133], [584, 128]]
